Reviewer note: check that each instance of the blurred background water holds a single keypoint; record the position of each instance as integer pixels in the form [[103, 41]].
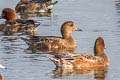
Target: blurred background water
[[95, 17]]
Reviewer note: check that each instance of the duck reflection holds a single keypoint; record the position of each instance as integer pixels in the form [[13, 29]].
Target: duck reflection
[[9, 39], [95, 73], [9, 33], [52, 50], [1, 77], [26, 15], [117, 6]]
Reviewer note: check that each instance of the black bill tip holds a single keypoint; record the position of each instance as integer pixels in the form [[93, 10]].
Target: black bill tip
[[78, 29], [1, 17]]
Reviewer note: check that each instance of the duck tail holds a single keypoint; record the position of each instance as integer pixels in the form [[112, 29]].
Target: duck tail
[[27, 41], [55, 2], [54, 60], [37, 24], [61, 63]]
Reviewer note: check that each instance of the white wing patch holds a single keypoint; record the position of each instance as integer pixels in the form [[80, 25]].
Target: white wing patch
[[8, 25]]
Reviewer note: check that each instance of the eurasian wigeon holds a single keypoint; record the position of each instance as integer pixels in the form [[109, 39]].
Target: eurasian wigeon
[[35, 6], [83, 60], [54, 43], [13, 24]]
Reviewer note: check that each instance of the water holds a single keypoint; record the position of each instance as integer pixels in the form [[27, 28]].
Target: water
[[95, 17]]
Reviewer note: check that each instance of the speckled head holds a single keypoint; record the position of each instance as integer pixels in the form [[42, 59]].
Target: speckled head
[[9, 14], [67, 28], [99, 46]]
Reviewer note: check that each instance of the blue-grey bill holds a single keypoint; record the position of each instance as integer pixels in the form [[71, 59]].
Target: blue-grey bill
[[78, 29], [1, 17]]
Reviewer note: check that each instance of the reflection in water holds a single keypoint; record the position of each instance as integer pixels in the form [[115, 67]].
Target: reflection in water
[[9, 39], [26, 15], [117, 6], [9, 33], [10, 44], [96, 73], [117, 3], [17, 33], [44, 50], [1, 77]]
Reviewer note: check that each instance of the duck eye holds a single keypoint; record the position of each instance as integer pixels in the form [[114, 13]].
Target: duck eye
[[71, 25]]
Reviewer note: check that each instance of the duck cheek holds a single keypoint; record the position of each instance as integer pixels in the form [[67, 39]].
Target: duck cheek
[[73, 29]]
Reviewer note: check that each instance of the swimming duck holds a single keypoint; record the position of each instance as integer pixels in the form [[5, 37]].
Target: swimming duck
[[54, 43], [13, 24], [35, 6], [83, 60]]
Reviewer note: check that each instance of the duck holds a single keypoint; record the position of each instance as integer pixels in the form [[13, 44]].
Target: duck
[[13, 24], [83, 60], [55, 43], [35, 6]]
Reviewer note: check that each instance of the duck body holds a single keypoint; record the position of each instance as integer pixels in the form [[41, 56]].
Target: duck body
[[53, 42], [19, 25], [13, 24], [35, 6], [89, 73], [50, 43], [83, 60]]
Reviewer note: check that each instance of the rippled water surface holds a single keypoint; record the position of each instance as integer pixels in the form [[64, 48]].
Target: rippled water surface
[[95, 17]]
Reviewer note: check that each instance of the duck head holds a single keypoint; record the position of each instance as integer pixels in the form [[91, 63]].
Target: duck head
[[99, 46], [67, 28], [9, 14]]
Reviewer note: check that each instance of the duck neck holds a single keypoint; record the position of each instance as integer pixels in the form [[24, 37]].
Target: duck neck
[[98, 51], [66, 35]]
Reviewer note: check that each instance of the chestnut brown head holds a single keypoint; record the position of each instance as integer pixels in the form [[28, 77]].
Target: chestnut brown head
[[99, 46], [9, 14]]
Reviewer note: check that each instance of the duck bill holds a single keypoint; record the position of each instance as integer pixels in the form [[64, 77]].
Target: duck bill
[[3, 67], [1, 17], [78, 29]]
